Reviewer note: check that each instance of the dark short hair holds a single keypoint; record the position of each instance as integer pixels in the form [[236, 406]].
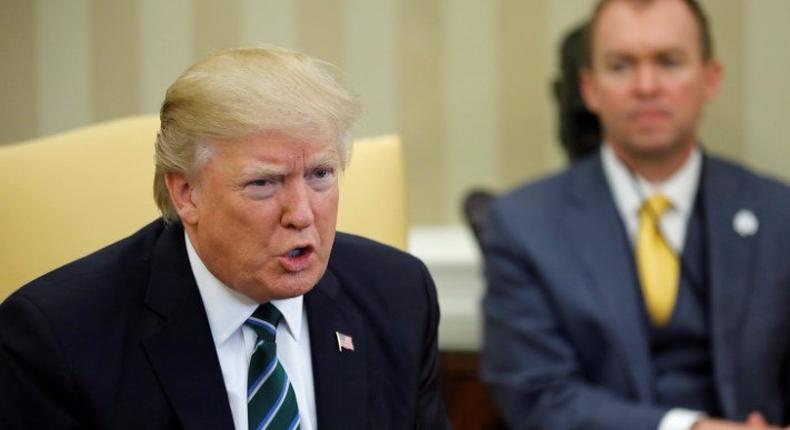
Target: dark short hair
[[705, 39]]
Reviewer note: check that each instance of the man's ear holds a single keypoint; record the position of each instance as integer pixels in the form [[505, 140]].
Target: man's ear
[[713, 75], [588, 89], [183, 196]]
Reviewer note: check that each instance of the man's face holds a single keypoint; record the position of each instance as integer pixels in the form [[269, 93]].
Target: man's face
[[648, 82], [263, 214]]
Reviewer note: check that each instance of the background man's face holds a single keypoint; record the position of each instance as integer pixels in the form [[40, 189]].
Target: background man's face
[[648, 81], [266, 209]]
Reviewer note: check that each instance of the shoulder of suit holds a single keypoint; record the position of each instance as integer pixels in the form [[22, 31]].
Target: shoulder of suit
[[358, 250], [100, 272], [753, 183], [380, 278], [543, 195]]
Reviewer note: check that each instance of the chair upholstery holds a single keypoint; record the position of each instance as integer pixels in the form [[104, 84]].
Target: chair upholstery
[[373, 192], [69, 194]]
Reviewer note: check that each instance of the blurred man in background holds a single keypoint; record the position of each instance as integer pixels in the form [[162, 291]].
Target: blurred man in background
[[645, 286]]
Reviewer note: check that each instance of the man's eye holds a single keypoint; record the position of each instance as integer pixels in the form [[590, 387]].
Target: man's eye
[[322, 172], [617, 66], [262, 188], [669, 62], [261, 182]]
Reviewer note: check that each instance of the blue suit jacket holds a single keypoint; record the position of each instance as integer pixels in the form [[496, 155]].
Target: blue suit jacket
[[564, 346], [120, 340]]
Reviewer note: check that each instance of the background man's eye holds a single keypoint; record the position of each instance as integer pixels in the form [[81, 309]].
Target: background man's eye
[[670, 62], [617, 66]]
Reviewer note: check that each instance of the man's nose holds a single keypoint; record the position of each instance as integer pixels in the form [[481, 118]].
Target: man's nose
[[296, 204], [646, 80]]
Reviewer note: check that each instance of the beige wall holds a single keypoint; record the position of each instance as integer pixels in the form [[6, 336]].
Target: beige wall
[[465, 82]]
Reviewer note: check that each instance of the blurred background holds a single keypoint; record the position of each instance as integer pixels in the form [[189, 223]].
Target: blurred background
[[466, 83]]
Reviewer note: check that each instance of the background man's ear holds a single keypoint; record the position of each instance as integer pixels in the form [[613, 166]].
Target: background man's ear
[[713, 74], [588, 89]]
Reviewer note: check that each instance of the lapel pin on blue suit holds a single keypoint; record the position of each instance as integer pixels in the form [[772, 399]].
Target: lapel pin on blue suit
[[344, 342], [745, 223]]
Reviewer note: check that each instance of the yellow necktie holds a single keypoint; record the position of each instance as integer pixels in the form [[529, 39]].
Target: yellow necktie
[[656, 261]]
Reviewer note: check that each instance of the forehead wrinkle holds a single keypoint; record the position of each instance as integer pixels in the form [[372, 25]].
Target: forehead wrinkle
[[327, 157]]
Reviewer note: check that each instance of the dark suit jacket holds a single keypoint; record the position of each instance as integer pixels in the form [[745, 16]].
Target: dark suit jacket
[[120, 340], [564, 346]]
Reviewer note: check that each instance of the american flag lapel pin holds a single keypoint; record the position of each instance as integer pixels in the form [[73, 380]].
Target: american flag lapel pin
[[344, 342]]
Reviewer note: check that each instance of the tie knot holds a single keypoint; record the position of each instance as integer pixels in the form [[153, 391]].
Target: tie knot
[[657, 204], [264, 321]]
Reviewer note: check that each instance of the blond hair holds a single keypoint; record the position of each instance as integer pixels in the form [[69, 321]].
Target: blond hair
[[241, 92]]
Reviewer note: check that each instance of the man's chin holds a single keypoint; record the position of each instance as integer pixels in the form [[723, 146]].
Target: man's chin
[[296, 284], [654, 145], [291, 291], [283, 287]]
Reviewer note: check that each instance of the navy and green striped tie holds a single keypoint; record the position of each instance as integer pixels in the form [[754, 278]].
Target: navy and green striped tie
[[271, 402]]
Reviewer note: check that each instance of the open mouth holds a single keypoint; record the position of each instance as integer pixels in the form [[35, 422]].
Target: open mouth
[[298, 252], [297, 259]]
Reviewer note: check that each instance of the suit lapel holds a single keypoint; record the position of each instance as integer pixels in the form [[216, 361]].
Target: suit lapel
[[339, 377], [731, 264], [595, 229], [178, 339]]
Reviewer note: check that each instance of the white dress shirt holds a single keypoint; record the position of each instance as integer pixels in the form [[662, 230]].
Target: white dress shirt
[[227, 310], [629, 191]]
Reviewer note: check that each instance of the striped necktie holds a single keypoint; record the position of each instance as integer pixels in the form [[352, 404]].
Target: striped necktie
[[657, 262], [271, 402]]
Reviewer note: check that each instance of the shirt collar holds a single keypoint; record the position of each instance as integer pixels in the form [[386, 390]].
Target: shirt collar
[[630, 189], [227, 310]]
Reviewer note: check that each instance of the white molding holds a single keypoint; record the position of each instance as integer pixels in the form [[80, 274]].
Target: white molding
[[453, 258]]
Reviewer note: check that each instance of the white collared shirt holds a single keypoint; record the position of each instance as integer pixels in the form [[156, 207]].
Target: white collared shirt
[[629, 191], [227, 310]]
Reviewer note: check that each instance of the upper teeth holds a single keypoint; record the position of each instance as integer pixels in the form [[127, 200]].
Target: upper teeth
[[295, 252]]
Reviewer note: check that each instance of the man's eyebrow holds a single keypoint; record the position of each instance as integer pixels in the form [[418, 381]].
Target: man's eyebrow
[[617, 55], [620, 54], [263, 170], [672, 51], [326, 158]]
